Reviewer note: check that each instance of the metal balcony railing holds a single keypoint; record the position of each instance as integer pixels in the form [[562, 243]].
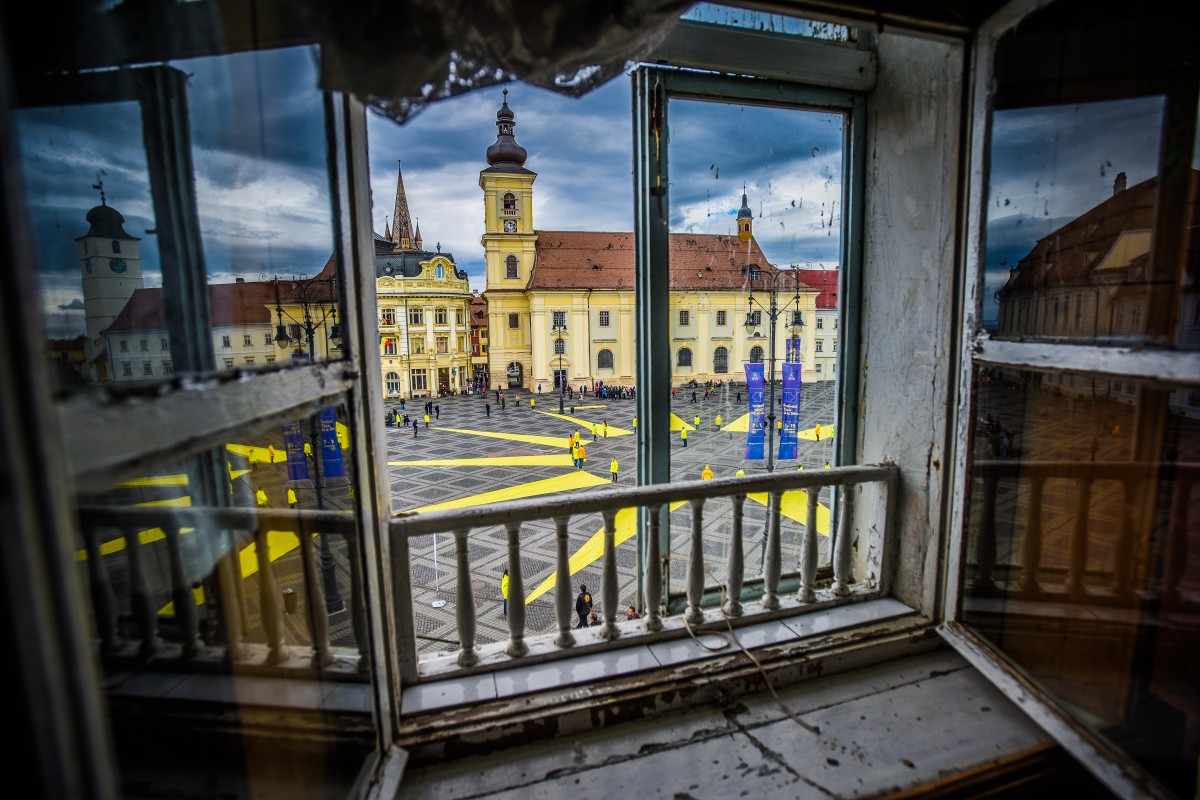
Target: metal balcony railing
[[228, 561]]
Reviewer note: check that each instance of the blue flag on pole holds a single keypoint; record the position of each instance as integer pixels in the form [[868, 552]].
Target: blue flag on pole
[[754, 393], [331, 450], [789, 434], [293, 442]]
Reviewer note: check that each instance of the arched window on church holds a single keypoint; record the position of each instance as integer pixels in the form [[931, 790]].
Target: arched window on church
[[684, 358], [559, 347], [511, 267], [604, 359], [721, 360], [116, 245], [510, 202], [756, 355]]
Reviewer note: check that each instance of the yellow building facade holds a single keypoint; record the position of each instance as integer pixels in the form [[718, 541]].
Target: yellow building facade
[[423, 305], [561, 303]]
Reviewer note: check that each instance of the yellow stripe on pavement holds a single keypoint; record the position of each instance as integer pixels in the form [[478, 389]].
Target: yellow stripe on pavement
[[811, 433], [794, 506], [156, 480], [550, 441], [593, 548], [563, 483], [586, 425], [559, 460], [741, 424], [677, 424]]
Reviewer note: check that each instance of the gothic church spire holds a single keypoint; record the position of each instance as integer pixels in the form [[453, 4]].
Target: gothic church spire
[[402, 227]]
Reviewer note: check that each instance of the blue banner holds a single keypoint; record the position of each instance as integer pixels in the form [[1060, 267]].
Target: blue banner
[[789, 434], [754, 393], [293, 443], [331, 451]]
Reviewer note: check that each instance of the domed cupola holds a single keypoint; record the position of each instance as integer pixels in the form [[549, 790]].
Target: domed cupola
[[745, 219], [106, 222], [505, 149]]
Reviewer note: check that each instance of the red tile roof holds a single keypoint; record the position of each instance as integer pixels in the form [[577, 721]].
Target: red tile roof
[[599, 260], [827, 281], [230, 303]]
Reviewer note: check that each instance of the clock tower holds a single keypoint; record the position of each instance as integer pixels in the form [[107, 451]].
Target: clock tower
[[110, 265], [508, 246]]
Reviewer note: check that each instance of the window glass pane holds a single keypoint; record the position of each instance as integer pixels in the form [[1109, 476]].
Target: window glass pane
[[1081, 529], [111, 270]]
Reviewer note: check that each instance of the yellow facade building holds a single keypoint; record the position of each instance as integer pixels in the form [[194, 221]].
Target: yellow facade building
[[424, 304], [561, 303]]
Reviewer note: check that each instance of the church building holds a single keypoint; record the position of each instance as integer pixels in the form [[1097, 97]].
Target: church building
[[561, 303]]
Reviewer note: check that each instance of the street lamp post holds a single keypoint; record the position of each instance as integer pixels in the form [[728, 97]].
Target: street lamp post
[[774, 310], [559, 347], [314, 292]]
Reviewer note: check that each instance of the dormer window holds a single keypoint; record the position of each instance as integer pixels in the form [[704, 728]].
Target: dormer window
[[440, 272], [116, 245]]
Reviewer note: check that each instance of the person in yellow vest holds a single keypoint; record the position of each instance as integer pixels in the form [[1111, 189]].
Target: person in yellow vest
[[595, 432], [308, 450], [718, 422], [532, 402], [261, 497], [707, 474], [582, 456], [818, 431], [635, 424], [741, 473], [779, 424], [826, 465], [683, 436], [571, 444], [291, 498], [800, 468], [270, 454], [613, 469], [504, 590], [253, 456], [427, 420], [577, 438], [696, 421], [605, 429]]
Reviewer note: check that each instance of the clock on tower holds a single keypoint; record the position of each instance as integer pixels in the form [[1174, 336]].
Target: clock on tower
[[510, 226]]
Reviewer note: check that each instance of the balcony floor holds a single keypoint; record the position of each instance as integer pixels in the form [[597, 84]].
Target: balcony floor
[[883, 729]]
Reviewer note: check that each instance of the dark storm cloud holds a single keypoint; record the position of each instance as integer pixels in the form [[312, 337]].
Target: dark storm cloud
[[74, 305]]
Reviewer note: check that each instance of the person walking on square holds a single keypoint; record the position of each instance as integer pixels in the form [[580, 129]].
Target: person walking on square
[[683, 436], [582, 456], [504, 593], [575, 457], [583, 606], [261, 497], [595, 432], [437, 411], [271, 454], [613, 469], [427, 420], [487, 409], [308, 451], [818, 431], [532, 402], [605, 429], [576, 438], [694, 396], [416, 426], [717, 422], [707, 474], [696, 421], [253, 456], [635, 425]]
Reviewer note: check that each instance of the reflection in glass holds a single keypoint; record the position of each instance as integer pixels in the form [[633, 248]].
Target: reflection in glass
[[1081, 553]]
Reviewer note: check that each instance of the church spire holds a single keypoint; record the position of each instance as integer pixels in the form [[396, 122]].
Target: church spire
[[417, 235], [402, 229], [505, 150]]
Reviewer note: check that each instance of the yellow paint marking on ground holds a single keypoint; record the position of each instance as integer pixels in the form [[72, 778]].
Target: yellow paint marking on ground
[[579, 479], [170, 501], [234, 474], [741, 424], [118, 544], [559, 460], [262, 454], [677, 424], [577, 406], [811, 433], [794, 506], [585, 426], [593, 548], [279, 544], [156, 480], [529, 438]]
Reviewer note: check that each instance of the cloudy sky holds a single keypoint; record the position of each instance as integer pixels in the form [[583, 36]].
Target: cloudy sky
[[257, 133]]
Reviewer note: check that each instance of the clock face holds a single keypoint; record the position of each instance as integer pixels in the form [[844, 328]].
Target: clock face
[[510, 226], [117, 265]]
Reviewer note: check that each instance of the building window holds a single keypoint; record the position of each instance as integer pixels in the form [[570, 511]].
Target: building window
[[462, 344], [127, 369], [147, 368], [164, 344], [393, 383], [833, 345], [388, 316], [756, 355], [683, 358], [419, 380], [225, 341], [116, 246], [819, 346], [249, 359], [604, 359], [510, 202], [439, 316], [439, 272], [229, 364], [684, 317], [560, 319], [514, 321], [817, 367], [483, 349], [559, 347], [389, 346], [416, 345], [246, 340], [168, 368], [458, 316], [416, 316], [443, 344], [483, 333], [820, 323], [270, 359], [754, 317], [721, 318], [294, 331], [604, 319], [145, 346], [721, 360], [267, 339], [510, 267], [124, 346]]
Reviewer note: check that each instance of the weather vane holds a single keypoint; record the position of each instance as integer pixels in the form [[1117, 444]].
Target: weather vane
[[99, 184]]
